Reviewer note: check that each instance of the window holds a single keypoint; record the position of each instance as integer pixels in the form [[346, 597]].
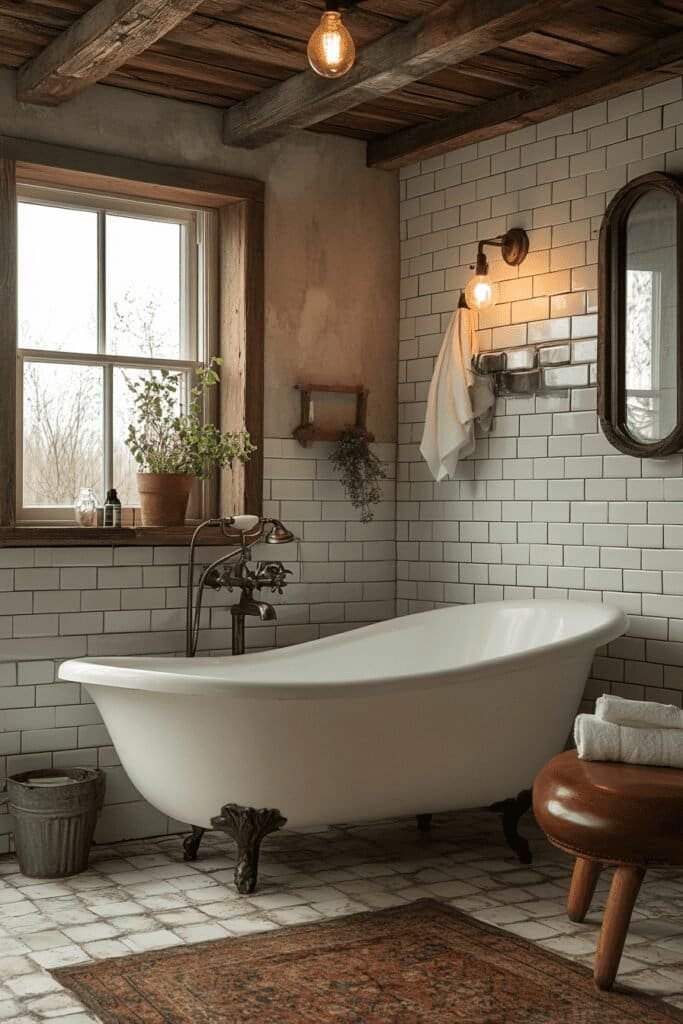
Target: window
[[107, 289], [643, 344], [93, 226]]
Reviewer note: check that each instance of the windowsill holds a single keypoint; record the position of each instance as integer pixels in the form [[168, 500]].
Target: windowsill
[[134, 536]]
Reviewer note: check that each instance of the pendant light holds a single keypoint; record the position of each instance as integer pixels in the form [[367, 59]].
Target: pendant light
[[331, 49]]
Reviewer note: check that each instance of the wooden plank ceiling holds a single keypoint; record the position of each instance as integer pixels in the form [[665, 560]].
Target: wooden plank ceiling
[[223, 52]]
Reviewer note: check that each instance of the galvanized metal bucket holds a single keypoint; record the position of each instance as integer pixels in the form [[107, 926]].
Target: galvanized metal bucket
[[55, 813]]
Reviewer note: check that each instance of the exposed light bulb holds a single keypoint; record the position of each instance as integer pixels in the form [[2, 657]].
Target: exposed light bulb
[[480, 293], [331, 50]]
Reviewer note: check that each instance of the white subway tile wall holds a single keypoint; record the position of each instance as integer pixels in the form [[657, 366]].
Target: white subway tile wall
[[545, 507], [58, 603]]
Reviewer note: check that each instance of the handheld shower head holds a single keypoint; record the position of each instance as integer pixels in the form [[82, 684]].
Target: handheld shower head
[[243, 523]]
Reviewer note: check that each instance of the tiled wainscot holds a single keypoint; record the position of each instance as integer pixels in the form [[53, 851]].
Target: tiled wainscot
[[58, 603]]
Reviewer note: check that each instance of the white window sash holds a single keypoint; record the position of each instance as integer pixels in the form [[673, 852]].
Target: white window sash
[[197, 320]]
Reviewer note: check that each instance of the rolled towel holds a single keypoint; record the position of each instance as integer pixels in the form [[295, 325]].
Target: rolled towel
[[597, 740], [642, 714]]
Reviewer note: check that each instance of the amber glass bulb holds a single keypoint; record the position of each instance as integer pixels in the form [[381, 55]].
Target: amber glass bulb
[[479, 293], [331, 50]]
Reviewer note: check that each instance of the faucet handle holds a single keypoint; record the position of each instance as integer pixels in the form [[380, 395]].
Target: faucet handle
[[214, 579], [219, 580], [275, 574]]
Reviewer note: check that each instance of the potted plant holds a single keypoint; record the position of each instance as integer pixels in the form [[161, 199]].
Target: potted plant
[[174, 448], [360, 471]]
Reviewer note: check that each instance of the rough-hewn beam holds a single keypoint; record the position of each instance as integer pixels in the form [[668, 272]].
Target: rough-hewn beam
[[103, 39], [519, 109], [448, 35]]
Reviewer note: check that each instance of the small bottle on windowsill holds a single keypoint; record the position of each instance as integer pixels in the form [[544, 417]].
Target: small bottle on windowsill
[[112, 510]]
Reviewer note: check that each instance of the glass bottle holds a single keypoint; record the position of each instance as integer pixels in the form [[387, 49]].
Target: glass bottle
[[112, 510], [85, 507]]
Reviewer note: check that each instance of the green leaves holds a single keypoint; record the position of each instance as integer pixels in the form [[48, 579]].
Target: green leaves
[[360, 471], [164, 439]]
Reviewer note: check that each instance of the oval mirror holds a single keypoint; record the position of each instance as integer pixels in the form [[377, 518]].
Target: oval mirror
[[640, 378]]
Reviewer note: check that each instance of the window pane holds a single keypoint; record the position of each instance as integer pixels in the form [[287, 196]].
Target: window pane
[[143, 288], [125, 466], [57, 269], [63, 432]]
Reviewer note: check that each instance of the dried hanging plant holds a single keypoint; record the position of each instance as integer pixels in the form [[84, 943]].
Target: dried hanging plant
[[360, 471]]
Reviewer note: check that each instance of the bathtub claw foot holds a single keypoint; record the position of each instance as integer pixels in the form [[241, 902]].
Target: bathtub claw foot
[[191, 843], [424, 822], [248, 827], [512, 810]]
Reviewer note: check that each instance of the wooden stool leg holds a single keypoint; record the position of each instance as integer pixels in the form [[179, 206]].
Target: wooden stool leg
[[584, 880], [620, 903]]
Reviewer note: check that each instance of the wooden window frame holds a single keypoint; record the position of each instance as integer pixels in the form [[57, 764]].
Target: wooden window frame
[[238, 312]]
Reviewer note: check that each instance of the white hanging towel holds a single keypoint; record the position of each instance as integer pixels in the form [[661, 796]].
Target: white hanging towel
[[457, 398]]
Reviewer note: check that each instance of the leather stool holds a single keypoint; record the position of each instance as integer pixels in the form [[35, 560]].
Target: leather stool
[[604, 813]]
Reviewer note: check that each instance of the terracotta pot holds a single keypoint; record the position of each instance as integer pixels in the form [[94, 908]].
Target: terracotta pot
[[164, 498]]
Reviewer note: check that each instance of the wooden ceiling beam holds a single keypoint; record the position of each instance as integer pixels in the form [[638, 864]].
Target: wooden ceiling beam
[[611, 78], [455, 31], [98, 44]]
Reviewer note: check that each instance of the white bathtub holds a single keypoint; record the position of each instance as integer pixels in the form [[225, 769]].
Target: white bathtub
[[446, 709]]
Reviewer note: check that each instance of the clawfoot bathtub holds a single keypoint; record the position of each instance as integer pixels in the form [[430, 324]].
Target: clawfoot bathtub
[[447, 709]]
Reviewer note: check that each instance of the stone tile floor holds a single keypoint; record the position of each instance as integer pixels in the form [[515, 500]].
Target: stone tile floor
[[140, 896]]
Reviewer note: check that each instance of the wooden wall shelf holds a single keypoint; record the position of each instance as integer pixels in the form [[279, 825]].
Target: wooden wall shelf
[[307, 432]]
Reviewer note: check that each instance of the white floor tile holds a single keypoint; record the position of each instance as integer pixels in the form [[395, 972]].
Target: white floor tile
[[141, 896]]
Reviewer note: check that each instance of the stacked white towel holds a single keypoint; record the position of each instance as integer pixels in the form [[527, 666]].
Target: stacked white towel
[[642, 714], [631, 731]]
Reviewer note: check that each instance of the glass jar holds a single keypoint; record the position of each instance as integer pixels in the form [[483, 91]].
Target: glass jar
[[85, 507]]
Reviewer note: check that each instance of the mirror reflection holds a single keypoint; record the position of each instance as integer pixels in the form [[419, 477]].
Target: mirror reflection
[[651, 317]]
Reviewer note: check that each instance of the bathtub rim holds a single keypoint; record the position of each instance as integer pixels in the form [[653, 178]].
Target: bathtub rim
[[117, 672]]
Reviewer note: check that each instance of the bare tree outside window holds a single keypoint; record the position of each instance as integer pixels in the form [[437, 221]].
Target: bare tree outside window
[[99, 291], [138, 320], [640, 395], [62, 432]]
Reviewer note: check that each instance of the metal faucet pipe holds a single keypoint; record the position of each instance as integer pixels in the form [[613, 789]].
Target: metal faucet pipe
[[279, 534]]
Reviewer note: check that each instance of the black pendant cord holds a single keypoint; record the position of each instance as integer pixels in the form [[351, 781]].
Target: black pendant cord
[[342, 5]]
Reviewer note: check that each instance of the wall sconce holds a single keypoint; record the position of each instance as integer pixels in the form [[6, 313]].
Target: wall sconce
[[480, 292], [331, 49]]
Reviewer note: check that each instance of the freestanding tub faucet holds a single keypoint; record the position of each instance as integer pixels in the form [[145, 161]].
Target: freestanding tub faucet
[[221, 573]]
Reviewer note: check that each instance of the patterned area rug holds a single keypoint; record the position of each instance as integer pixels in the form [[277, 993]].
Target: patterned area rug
[[409, 965]]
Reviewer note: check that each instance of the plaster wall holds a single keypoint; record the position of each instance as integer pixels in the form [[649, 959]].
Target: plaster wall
[[332, 273]]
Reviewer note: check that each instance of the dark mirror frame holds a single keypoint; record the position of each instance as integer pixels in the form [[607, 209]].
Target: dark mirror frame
[[612, 319]]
